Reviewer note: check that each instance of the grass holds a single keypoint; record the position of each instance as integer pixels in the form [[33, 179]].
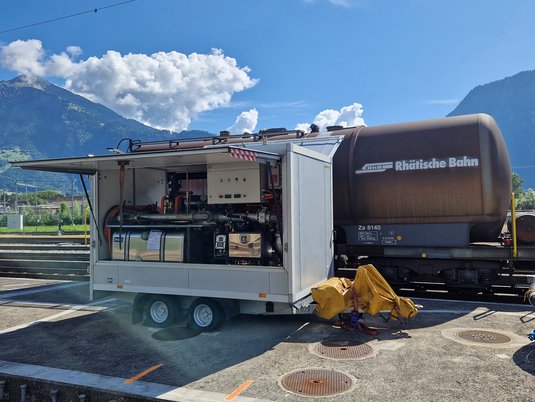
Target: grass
[[46, 229]]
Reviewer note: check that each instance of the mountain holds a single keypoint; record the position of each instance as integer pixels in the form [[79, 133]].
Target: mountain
[[41, 120], [511, 101]]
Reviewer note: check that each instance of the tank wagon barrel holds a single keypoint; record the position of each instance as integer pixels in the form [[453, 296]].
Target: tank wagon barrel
[[423, 181]]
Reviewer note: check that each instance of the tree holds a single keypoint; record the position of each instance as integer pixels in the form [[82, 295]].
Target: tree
[[64, 213], [527, 200], [518, 184]]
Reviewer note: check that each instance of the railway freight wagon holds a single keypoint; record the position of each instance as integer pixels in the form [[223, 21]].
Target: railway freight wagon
[[215, 226], [426, 201]]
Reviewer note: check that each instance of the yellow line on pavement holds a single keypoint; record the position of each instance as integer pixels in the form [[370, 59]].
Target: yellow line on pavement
[[238, 390], [142, 374]]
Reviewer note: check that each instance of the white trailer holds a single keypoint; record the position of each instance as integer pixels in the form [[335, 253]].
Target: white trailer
[[210, 228]]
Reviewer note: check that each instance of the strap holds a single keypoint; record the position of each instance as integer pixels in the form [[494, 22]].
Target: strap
[[121, 189], [91, 208]]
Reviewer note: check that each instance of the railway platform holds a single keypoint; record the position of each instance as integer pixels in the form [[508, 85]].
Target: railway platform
[[56, 343]]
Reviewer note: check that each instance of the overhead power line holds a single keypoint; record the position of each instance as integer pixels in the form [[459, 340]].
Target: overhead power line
[[93, 10]]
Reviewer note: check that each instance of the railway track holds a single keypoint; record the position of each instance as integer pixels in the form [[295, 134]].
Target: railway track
[[67, 258], [494, 294], [44, 257], [506, 288]]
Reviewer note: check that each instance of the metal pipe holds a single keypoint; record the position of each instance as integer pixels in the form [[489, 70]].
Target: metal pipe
[[261, 217], [54, 395], [191, 217], [513, 222]]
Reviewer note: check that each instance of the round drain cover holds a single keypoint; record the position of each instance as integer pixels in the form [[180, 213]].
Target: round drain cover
[[480, 336], [343, 349], [316, 382]]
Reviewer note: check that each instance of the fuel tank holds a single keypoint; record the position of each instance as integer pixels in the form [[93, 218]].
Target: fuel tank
[[449, 170]]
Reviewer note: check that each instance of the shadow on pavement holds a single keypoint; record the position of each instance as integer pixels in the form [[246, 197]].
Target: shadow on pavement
[[525, 358]]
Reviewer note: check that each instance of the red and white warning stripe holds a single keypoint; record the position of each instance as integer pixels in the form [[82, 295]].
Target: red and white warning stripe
[[243, 154]]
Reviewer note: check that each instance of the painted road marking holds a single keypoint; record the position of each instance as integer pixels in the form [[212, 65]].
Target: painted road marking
[[55, 306], [238, 390], [476, 311], [115, 384], [17, 285], [142, 374], [46, 288], [58, 315]]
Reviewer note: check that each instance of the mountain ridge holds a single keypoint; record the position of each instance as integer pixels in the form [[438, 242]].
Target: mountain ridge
[[41, 120], [511, 101]]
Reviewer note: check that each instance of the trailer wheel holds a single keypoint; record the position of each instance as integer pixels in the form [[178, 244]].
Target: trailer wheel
[[205, 315], [160, 311]]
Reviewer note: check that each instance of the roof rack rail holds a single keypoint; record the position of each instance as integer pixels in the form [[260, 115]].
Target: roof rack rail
[[223, 138]]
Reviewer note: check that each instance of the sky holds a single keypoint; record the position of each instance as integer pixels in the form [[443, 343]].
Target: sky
[[246, 65]]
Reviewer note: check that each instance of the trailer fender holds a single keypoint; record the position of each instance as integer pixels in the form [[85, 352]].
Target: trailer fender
[[139, 306]]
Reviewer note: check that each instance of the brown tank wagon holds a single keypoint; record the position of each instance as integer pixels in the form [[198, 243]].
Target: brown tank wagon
[[453, 171]]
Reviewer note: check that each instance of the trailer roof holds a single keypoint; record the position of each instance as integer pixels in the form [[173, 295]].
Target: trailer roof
[[89, 165]]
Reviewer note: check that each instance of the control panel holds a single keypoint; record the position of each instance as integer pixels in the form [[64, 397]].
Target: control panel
[[234, 184]]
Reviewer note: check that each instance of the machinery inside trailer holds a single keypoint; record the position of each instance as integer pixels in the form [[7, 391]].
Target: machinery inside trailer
[[227, 213]]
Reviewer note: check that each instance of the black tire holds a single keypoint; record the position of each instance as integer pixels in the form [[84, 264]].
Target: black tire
[[160, 311], [205, 315]]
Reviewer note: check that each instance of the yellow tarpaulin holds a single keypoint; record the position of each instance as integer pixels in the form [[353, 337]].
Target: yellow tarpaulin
[[374, 294], [332, 296]]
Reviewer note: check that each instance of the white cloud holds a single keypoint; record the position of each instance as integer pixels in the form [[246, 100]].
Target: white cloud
[[347, 116], [245, 122], [23, 56], [303, 127], [75, 51], [164, 89]]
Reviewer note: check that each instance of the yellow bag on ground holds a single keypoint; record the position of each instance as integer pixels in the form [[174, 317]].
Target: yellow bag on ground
[[375, 294], [332, 297]]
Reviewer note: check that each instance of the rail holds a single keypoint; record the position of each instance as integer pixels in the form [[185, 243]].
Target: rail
[[44, 257]]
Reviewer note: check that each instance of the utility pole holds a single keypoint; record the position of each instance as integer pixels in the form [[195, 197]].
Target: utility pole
[[83, 207], [72, 200], [17, 193], [35, 193], [17, 184]]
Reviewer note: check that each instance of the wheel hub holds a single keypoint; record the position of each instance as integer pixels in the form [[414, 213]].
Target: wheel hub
[[159, 312], [203, 315]]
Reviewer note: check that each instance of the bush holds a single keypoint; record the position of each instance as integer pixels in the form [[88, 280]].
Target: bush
[[526, 200], [51, 218]]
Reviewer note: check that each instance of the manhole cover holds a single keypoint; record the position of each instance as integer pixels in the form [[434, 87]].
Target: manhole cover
[[343, 349], [483, 336], [316, 382]]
